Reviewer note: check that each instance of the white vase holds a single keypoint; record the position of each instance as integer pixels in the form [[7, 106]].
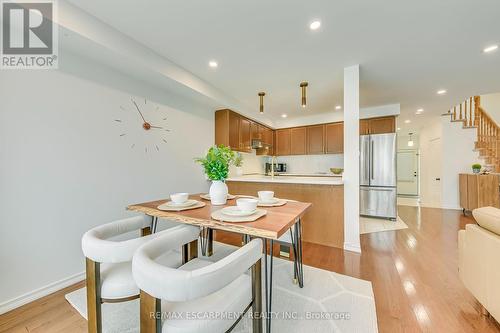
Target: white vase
[[218, 192], [239, 171]]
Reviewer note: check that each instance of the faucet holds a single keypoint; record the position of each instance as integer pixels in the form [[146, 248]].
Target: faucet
[[273, 160]]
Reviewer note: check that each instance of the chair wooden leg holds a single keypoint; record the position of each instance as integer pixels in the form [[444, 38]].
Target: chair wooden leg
[[150, 313], [93, 276], [189, 251], [257, 297]]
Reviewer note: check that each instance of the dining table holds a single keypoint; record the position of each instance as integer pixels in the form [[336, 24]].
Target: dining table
[[270, 227]]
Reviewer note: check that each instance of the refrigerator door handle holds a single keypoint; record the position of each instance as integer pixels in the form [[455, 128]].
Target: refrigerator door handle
[[371, 160]]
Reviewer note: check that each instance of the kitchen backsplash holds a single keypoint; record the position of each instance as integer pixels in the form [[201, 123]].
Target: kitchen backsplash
[[295, 164], [312, 163]]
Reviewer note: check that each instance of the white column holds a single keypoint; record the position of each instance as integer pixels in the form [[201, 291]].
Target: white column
[[351, 159]]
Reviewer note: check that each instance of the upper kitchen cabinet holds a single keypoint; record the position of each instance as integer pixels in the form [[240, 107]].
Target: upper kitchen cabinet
[[245, 135], [256, 130], [232, 130], [237, 132], [315, 139], [334, 137], [282, 142], [364, 127], [377, 125], [298, 141]]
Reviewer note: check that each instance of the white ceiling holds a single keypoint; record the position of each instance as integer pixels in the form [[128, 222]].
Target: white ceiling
[[406, 50]]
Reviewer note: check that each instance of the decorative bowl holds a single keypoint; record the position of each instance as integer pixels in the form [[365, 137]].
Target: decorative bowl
[[336, 171]]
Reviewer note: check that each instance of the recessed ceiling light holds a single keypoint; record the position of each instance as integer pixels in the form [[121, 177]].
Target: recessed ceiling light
[[399, 128], [407, 121], [284, 115], [213, 64], [420, 110], [441, 92], [338, 107], [490, 48], [315, 25]]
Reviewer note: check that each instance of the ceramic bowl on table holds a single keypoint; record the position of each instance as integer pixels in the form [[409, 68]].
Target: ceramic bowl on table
[[179, 198], [247, 204], [266, 196]]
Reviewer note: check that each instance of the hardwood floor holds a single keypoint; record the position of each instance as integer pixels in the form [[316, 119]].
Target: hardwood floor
[[413, 272]]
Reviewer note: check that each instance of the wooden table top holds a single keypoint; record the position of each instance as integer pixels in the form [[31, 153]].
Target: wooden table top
[[272, 226]]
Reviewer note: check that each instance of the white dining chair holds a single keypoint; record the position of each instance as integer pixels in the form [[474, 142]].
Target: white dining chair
[[109, 253], [201, 295]]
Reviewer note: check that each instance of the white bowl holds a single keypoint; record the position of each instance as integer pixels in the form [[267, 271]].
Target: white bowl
[[179, 198], [247, 204], [265, 195]]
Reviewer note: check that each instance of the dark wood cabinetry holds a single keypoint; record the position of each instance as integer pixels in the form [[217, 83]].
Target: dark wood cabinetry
[[377, 125], [334, 137], [237, 132], [298, 141], [316, 139], [282, 142]]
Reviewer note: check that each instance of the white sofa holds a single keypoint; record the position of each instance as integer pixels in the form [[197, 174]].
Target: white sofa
[[479, 259]]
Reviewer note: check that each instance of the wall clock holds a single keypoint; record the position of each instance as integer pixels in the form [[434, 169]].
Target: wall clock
[[144, 124]]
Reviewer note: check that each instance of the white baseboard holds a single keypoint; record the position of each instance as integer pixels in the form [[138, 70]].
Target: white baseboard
[[352, 247], [40, 292]]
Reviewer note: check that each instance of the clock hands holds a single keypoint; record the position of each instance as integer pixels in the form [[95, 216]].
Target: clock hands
[[137, 107]]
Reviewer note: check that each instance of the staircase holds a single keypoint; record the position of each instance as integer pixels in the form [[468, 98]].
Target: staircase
[[473, 116]]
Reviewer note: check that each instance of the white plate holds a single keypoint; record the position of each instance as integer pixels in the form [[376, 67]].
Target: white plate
[[269, 202], [235, 211], [207, 196], [188, 203]]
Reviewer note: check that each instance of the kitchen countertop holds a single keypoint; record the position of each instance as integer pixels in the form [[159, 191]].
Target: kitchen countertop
[[289, 179]]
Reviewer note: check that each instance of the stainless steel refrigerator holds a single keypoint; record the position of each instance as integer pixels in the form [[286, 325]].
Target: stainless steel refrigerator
[[377, 165]]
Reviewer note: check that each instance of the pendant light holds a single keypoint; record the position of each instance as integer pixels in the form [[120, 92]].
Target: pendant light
[[410, 141], [261, 97], [303, 86]]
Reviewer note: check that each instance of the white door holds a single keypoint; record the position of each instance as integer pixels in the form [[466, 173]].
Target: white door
[[434, 172], [408, 173]]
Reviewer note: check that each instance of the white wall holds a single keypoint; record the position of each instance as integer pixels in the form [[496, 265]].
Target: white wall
[[458, 156], [64, 167], [446, 150], [312, 163], [491, 104], [334, 116]]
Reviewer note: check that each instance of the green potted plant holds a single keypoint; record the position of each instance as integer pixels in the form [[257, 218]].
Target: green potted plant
[[216, 166], [476, 168], [238, 163]]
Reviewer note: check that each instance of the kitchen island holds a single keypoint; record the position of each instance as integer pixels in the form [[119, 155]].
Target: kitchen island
[[324, 222]]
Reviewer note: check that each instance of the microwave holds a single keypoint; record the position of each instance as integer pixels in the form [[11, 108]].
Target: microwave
[[278, 168]]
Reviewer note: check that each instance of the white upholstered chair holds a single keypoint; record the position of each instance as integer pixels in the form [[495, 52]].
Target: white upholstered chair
[[199, 293], [478, 258], [109, 263]]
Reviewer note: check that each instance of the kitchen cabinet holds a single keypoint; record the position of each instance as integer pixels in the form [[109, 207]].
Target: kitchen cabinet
[[315, 139], [256, 130], [282, 142], [334, 137], [245, 143], [234, 131], [377, 125], [364, 127], [382, 125], [298, 141]]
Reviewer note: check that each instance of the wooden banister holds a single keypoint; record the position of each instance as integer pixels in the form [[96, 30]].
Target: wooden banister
[[473, 115]]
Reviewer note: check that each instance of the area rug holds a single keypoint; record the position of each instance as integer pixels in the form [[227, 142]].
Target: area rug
[[329, 302], [368, 225]]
